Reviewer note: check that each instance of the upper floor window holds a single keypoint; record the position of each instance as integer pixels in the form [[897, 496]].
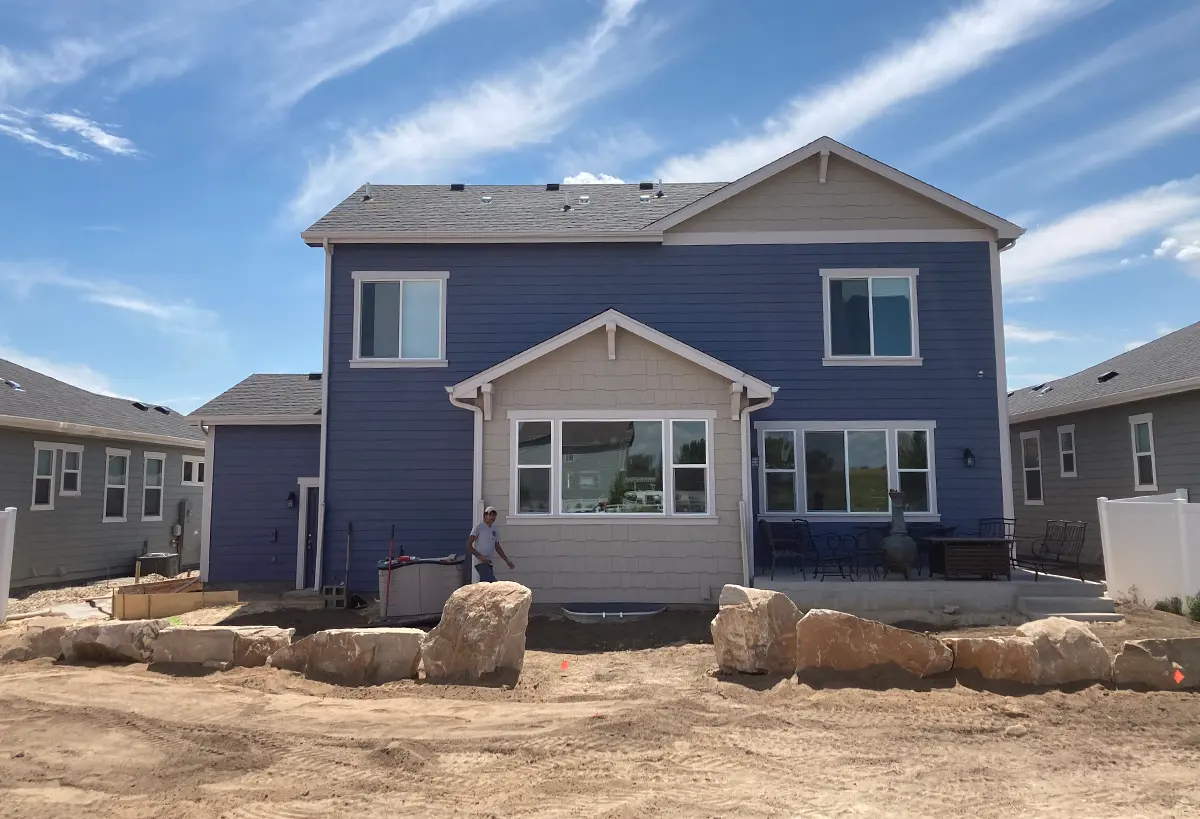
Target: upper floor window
[[870, 316], [193, 471], [1141, 429], [1066, 451], [399, 319]]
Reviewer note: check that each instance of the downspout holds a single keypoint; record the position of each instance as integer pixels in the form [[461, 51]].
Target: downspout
[[210, 448], [747, 504], [320, 558], [477, 467]]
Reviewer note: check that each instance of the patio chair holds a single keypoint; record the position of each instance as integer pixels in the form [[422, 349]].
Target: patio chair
[[827, 550], [868, 551], [1060, 547], [780, 540], [919, 532]]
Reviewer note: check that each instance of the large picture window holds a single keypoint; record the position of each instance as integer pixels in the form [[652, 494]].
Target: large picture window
[[640, 466], [399, 319], [870, 316], [846, 469]]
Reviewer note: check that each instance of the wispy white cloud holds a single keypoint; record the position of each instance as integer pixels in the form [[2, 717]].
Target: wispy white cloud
[[1150, 126], [79, 375], [1028, 335], [92, 132], [526, 106], [615, 149], [1161, 330], [1132, 345], [950, 49], [64, 62], [589, 178], [1136, 46], [1076, 245], [1183, 245], [20, 130]]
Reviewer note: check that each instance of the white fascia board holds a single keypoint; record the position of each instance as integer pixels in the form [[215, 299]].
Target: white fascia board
[[1112, 400], [828, 237], [255, 420], [1005, 229], [491, 237], [755, 388], [89, 431]]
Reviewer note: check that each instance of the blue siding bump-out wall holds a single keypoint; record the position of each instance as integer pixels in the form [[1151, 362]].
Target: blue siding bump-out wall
[[400, 454], [252, 534]]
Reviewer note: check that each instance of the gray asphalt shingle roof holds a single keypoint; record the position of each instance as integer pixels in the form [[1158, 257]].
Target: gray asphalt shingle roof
[[283, 394], [512, 208], [44, 398], [1173, 357]]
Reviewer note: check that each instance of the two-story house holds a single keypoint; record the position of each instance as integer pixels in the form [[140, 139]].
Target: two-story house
[[632, 374]]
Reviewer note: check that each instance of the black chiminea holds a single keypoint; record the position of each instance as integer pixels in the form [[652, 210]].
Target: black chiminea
[[899, 550]]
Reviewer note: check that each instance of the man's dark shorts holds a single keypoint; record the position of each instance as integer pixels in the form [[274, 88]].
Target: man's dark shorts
[[487, 572]]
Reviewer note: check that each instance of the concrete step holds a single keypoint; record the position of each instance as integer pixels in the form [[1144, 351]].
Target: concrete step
[[1060, 605], [1081, 616]]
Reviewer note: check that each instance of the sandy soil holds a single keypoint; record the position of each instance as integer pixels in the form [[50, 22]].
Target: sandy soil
[[38, 599], [640, 732]]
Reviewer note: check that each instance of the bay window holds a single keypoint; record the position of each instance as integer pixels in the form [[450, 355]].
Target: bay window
[[399, 319]]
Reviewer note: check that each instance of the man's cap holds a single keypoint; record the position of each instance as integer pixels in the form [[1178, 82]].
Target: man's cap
[[491, 510]]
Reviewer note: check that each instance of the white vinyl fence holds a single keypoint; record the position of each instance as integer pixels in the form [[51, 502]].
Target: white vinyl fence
[[1151, 544], [8, 534]]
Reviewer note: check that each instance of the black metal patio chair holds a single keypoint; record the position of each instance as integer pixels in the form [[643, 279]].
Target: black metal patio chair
[[826, 550], [781, 543], [868, 551], [919, 532], [1059, 548]]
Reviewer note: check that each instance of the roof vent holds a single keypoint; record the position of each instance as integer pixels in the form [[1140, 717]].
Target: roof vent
[[486, 199], [1041, 389], [1108, 376], [457, 186], [314, 376], [162, 409], [366, 197], [645, 186], [661, 193], [14, 385], [584, 199], [644, 197], [551, 186], [1011, 394], [141, 406], [566, 207]]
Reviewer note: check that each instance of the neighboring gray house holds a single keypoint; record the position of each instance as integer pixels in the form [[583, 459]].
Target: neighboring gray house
[[1127, 427], [96, 480]]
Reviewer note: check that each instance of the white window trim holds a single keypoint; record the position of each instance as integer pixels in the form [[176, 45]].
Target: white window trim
[[162, 486], [63, 493], [1146, 418], [1036, 436], [830, 360], [38, 447], [109, 452], [363, 276], [195, 462], [557, 516], [889, 427], [1062, 453], [794, 471]]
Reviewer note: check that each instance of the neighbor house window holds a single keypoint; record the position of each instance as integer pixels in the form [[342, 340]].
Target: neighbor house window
[[1141, 429], [116, 482], [870, 316], [71, 483], [43, 476], [612, 466], [152, 486], [399, 319], [1066, 451], [847, 469], [1031, 464], [193, 471]]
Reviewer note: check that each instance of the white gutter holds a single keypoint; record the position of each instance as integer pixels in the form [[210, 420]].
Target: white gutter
[[507, 237], [747, 503], [256, 420], [89, 431], [317, 578], [1001, 374], [477, 466], [1111, 400]]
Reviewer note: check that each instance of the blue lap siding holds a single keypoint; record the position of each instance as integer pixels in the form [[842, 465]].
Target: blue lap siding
[[399, 453], [252, 538]]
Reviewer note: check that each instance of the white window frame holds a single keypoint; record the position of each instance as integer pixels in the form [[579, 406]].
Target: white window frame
[[146, 487], [38, 448], [1146, 418], [197, 465], [830, 360], [557, 516], [794, 471], [362, 277], [62, 478], [1036, 436], [892, 428], [110, 453], [1063, 472]]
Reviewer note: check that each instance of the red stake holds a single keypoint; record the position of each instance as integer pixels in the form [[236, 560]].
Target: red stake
[[387, 593]]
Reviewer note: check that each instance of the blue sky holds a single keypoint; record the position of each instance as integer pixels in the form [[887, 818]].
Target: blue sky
[[158, 158]]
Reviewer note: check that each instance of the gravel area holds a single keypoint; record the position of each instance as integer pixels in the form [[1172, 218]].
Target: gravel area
[[38, 599]]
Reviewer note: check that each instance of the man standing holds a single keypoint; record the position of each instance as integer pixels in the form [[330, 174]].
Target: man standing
[[484, 544]]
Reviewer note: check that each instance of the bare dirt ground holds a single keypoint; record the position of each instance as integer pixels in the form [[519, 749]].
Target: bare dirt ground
[[619, 733]]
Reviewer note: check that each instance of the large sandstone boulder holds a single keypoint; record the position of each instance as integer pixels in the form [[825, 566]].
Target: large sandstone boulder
[[754, 631], [1153, 663], [33, 638], [836, 641], [482, 632], [243, 646], [112, 641], [354, 656], [1067, 651], [996, 658]]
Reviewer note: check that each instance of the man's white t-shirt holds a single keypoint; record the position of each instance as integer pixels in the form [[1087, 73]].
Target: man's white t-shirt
[[485, 539]]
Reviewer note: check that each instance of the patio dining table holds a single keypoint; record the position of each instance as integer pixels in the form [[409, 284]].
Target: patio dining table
[[982, 557]]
